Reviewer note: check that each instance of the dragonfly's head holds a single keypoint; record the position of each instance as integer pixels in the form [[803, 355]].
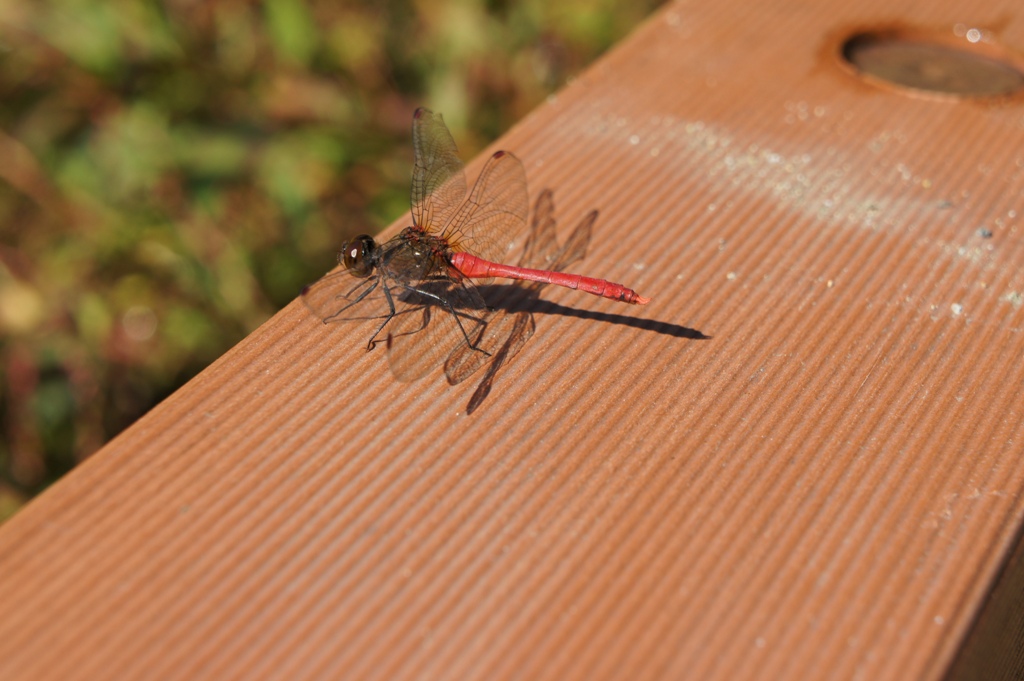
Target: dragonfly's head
[[358, 255]]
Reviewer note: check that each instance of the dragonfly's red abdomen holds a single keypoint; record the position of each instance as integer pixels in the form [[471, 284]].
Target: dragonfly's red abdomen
[[477, 268]]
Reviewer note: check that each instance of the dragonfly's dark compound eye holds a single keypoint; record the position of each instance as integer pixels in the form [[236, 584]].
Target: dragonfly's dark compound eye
[[356, 255]]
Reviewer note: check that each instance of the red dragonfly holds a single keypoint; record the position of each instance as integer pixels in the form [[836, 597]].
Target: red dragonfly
[[418, 280]]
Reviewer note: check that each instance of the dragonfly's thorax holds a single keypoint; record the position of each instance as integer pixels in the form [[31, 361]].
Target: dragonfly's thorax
[[413, 256]]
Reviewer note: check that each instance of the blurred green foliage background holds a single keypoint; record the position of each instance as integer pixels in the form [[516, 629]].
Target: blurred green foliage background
[[172, 172]]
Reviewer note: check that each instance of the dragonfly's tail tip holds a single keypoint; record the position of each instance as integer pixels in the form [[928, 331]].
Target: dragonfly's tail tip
[[640, 300]]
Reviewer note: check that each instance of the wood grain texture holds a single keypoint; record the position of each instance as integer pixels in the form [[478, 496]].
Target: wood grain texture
[[827, 486]]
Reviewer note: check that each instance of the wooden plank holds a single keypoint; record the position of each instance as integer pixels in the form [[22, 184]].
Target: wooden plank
[[827, 486]]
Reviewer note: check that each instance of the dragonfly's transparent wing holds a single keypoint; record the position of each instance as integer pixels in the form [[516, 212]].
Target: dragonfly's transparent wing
[[488, 223], [505, 333], [427, 330], [542, 251], [575, 247], [438, 182], [502, 335], [515, 338], [542, 239], [338, 297]]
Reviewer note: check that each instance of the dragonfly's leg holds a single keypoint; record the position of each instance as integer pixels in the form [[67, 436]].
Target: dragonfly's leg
[[463, 330], [368, 291], [391, 313]]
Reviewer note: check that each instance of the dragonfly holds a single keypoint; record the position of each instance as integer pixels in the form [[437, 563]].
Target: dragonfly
[[419, 284]]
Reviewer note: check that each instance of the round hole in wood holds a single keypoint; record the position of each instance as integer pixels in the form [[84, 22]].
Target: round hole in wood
[[950, 66]]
